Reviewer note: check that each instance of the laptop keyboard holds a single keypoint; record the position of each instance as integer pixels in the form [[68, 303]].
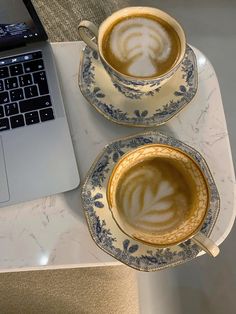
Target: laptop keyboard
[[24, 93]]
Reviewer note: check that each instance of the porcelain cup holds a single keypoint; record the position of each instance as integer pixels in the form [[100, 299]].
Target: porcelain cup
[[125, 83], [159, 195]]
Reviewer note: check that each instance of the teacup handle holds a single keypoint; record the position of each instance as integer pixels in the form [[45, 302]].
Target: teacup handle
[[93, 29], [206, 244]]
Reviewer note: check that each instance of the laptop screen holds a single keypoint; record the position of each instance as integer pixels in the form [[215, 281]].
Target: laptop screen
[[19, 23]]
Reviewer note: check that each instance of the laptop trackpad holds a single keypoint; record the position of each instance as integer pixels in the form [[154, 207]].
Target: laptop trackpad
[[4, 192]]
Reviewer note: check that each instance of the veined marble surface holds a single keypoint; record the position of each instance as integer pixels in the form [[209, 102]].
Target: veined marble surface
[[52, 232]]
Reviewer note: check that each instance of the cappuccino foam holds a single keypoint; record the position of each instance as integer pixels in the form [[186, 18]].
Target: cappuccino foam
[[141, 46], [154, 196]]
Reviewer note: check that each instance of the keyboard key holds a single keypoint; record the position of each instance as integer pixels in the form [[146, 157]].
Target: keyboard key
[[4, 98], [41, 80], [25, 80], [11, 83], [37, 55], [16, 69], [4, 72], [17, 94], [31, 114], [4, 124], [33, 66], [11, 109], [17, 121], [1, 112], [46, 114], [32, 118], [35, 104], [1, 86], [31, 91]]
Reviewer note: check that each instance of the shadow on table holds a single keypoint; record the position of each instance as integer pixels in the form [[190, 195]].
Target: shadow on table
[[73, 200], [205, 285]]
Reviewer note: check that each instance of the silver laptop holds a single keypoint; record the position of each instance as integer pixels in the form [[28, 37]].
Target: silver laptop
[[36, 152]]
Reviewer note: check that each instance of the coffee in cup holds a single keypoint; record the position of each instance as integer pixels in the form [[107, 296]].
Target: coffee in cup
[[141, 45], [158, 195]]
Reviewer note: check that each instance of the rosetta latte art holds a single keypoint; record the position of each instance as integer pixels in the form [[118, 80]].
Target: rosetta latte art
[[154, 199], [140, 43]]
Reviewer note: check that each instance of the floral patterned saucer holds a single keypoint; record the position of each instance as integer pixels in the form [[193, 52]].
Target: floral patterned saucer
[[134, 109], [104, 230]]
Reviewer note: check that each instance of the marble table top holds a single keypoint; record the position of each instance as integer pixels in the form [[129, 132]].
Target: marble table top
[[52, 232]]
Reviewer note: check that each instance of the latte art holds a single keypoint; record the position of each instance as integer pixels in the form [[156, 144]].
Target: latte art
[[141, 46], [154, 196], [141, 43]]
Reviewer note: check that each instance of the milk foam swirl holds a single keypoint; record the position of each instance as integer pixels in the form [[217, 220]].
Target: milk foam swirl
[[151, 201], [142, 43]]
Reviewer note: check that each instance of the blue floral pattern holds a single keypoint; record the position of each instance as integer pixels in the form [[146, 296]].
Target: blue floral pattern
[[180, 97], [135, 89], [112, 240]]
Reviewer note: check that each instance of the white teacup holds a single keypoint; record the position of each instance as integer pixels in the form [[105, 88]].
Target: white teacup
[[126, 83]]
